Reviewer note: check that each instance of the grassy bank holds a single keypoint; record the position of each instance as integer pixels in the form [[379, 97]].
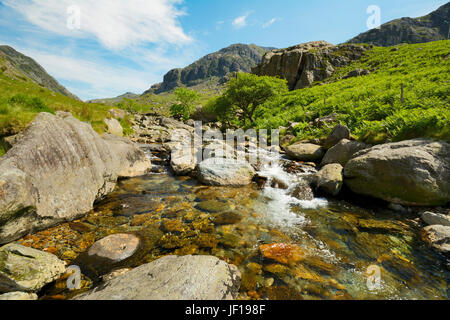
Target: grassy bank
[[371, 106]]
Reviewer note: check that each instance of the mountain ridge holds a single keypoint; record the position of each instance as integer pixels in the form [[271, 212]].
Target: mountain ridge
[[16, 64], [431, 27]]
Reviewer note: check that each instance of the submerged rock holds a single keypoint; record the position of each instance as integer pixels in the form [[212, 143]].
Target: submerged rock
[[56, 171], [330, 179], [342, 152], [438, 237], [414, 172], [26, 269], [173, 278], [305, 152], [225, 172], [282, 253]]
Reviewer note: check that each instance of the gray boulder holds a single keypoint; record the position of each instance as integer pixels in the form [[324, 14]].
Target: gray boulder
[[343, 151], [26, 269], [173, 278], [114, 127], [305, 152], [437, 237], [432, 218], [225, 172], [338, 133], [414, 172], [57, 169], [330, 179]]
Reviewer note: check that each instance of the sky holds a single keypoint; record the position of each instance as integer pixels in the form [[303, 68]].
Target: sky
[[104, 48]]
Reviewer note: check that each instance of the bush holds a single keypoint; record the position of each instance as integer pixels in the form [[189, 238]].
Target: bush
[[185, 106]]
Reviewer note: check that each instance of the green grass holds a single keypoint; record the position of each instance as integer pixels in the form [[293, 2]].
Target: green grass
[[21, 100], [371, 105]]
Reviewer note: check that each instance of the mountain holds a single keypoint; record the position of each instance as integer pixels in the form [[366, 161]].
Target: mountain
[[17, 65], [113, 101], [432, 27], [235, 58]]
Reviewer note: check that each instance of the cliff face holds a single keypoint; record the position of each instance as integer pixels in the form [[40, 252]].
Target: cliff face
[[235, 58], [17, 64], [306, 63], [432, 27]]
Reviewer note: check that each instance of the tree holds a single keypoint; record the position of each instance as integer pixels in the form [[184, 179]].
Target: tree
[[186, 100], [247, 92]]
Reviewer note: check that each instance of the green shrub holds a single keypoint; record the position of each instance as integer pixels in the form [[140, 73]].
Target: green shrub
[[185, 106]]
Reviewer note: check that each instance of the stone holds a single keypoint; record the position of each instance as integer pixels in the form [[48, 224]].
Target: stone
[[305, 152], [330, 179], [437, 237], [227, 218], [114, 127], [57, 170], [26, 269], [117, 113], [18, 296], [282, 253], [342, 152], [183, 165], [358, 72], [338, 133], [213, 206], [432, 218], [173, 278], [108, 253], [225, 172], [303, 191], [412, 173]]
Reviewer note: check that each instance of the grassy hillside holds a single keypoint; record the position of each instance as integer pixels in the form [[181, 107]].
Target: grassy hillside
[[21, 99], [371, 105]]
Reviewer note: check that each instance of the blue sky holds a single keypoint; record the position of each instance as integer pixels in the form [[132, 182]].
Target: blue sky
[[128, 45]]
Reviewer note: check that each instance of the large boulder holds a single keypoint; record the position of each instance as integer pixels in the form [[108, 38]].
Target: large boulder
[[114, 127], [414, 172], [330, 179], [305, 152], [56, 171], [437, 237], [342, 152], [173, 278], [225, 172], [26, 269]]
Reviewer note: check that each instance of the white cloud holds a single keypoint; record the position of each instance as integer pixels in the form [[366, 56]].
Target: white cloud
[[116, 24], [269, 23], [241, 21]]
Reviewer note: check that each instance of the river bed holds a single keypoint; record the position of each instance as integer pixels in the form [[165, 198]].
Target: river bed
[[341, 241]]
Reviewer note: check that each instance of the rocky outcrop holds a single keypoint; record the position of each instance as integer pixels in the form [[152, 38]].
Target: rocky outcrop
[[304, 64], [414, 172], [173, 278], [330, 179], [56, 171], [305, 152], [428, 28], [225, 172], [27, 269], [343, 151], [235, 58]]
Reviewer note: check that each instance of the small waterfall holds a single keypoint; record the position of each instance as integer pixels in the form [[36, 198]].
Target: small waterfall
[[280, 185]]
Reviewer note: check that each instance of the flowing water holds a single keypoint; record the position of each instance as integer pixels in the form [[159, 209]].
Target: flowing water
[[339, 241]]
